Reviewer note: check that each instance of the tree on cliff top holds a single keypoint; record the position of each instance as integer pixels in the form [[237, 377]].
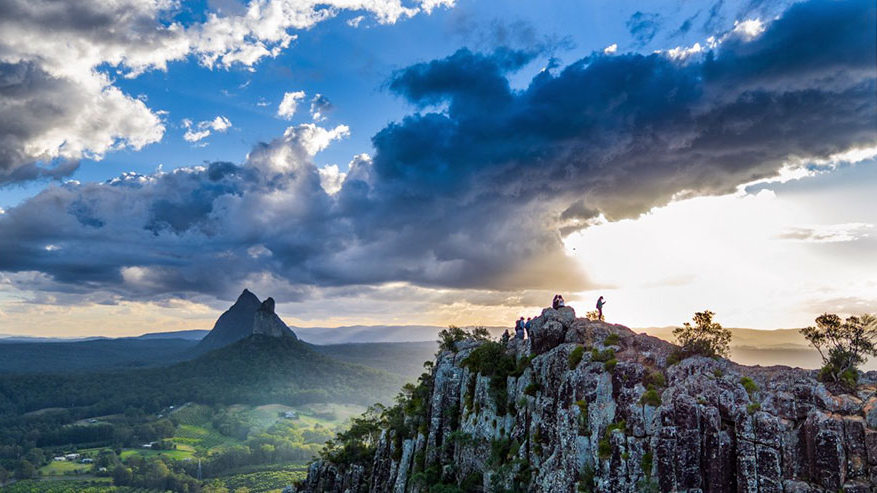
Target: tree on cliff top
[[705, 337], [843, 345], [448, 338]]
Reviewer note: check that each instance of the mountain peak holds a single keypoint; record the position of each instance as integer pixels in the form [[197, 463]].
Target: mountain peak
[[247, 316], [247, 297], [267, 305]]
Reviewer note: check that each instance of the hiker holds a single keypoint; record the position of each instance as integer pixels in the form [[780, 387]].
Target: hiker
[[519, 328], [527, 325], [600, 303], [557, 302], [504, 339]]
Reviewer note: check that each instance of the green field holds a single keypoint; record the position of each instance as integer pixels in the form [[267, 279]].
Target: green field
[[173, 454], [64, 468], [196, 437]]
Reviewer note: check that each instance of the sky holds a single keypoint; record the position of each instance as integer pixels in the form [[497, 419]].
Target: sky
[[435, 161]]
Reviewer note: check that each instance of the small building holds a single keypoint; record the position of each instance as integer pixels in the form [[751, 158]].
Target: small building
[[146, 445], [290, 415], [60, 458], [86, 461], [72, 456]]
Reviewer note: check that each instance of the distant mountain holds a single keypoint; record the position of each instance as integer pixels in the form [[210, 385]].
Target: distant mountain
[[189, 335], [402, 358], [92, 355], [247, 316], [14, 339], [766, 347], [375, 333]]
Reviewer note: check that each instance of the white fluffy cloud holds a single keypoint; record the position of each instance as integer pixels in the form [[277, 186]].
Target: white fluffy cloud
[[57, 60], [203, 129], [289, 104]]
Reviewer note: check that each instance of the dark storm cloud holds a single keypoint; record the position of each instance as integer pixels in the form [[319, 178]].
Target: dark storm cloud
[[476, 190], [29, 97]]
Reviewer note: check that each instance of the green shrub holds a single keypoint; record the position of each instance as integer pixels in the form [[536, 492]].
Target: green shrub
[[611, 340], [499, 452], [473, 482], [583, 417], [655, 379], [532, 388], [610, 365], [448, 338], [604, 448], [575, 357], [620, 425], [586, 480], [469, 396], [705, 337], [602, 356], [849, 378], [752, 408], [674, 357], [522, 364], [718, 373], [843, 346], [491, 360], [651, 398], [646, 463], [749, 385]]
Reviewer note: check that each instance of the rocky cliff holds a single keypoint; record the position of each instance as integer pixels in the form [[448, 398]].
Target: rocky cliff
[[591, 406]]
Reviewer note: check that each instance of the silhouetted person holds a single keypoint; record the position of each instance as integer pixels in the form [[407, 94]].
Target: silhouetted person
[[557, 302], [505, 337], [527, 326], [519, 328], [600, 303]]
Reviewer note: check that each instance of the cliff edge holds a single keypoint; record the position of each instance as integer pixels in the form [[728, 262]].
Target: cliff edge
[[591, 406]]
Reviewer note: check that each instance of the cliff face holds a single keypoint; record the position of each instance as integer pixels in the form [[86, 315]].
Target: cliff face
[[580, 418]]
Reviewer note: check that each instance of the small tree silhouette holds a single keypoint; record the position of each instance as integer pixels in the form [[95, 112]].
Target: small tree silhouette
[[843, 345], [705, 337]]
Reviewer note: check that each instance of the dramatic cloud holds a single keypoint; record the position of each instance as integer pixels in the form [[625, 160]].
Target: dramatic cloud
[[477, 188], [51, 121], [289, 104], [58, 59]]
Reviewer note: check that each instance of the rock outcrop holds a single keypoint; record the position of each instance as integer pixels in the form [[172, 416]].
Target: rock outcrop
[[247, 316], [594, 407]]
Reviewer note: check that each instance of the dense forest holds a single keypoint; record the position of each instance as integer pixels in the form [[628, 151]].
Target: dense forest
[[46, 412]]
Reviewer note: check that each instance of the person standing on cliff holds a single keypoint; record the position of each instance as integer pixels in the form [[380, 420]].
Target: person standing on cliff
[[600, 303], [527, 325], [519, 328]]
